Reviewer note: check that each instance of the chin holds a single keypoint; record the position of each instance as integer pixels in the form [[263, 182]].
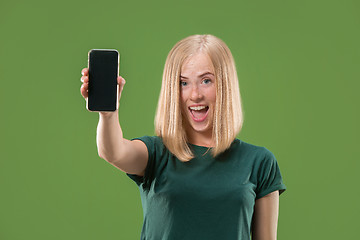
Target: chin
[[201, 127]]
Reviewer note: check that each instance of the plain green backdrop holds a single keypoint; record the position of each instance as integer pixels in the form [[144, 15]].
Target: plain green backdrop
[[298, 67]]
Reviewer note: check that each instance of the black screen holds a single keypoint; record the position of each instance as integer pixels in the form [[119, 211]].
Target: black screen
[[103, 72]]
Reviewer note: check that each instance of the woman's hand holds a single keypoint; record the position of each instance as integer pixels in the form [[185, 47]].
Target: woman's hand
[[84, 89]]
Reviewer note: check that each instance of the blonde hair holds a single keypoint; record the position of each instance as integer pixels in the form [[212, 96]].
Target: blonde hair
[[228, 116]]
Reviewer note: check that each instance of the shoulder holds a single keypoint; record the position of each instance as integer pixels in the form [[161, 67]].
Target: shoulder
[[265, 171], [151, 142], [148, 139], [256, 157], [156, 153], [155, 146], [249, 149]]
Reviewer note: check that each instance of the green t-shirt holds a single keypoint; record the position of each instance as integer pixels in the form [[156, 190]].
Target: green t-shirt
[[205, 198]]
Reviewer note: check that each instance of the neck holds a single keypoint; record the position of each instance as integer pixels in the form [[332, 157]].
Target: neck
[[201, 139]]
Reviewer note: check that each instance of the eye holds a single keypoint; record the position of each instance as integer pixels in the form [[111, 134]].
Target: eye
[[207, 81], [183, 83]]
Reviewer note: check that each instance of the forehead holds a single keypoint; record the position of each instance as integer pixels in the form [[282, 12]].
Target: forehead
[[197, 64]]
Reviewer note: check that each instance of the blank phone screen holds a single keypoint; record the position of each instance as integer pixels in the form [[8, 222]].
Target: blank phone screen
[[103, 72]]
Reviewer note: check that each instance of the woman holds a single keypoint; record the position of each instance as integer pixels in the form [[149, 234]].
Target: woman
[[196, 179]]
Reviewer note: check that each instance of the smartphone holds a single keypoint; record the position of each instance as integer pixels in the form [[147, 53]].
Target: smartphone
[[103, 89]]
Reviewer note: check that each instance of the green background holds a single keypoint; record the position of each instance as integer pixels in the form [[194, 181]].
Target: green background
[[298, 68]]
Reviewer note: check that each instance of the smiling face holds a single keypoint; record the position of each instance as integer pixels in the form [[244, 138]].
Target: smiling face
[[197, 98]]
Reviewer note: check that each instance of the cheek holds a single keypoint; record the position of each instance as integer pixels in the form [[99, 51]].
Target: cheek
[[183, 100], [184, 95], [212, 95]]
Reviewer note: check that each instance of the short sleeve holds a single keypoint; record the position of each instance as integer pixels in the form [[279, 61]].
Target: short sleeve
[[269, 176], [149, 170]]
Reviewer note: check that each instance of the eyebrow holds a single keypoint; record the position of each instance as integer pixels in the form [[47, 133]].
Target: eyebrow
[[206, 73]]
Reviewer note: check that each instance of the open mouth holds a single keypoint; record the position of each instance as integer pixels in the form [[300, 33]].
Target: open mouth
[[199, 113]]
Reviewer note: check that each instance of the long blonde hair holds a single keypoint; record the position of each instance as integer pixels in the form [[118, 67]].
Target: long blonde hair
[[228, 117]]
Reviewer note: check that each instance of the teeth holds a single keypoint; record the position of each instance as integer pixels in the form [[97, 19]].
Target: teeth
[[197, 108]]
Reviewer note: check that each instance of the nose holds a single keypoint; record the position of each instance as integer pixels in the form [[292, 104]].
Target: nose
[[196, 93]]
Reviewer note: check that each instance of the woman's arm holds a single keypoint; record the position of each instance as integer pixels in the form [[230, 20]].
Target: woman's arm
[[128, 156], [265, 218]]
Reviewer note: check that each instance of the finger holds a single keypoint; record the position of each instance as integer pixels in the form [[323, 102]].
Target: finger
[[85, 71], [84, 79], [84, 90], [121, 80]]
